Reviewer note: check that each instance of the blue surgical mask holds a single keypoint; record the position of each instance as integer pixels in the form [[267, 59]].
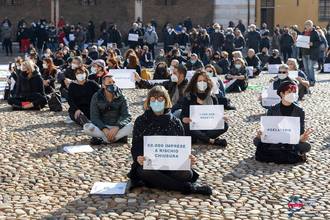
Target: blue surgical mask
[[112, 88], [157, 106]]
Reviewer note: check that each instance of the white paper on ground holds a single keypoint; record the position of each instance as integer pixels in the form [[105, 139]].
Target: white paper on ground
[[280, 129], [269, 97], [108, 188], [206, 117], [78, 149], [166, 152]]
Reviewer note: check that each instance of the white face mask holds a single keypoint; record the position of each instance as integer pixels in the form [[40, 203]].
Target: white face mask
[[93, 70], [281, 76], [45, 66], [174, 78], [18, 67], [74, 66], [210, 74], [201, 86], [238, 66], [81, 77], [291, 97]]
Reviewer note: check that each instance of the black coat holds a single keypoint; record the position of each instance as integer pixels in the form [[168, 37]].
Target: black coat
[[314, 50], [286, 41], [253, 40], [217, 40], [26, 87]]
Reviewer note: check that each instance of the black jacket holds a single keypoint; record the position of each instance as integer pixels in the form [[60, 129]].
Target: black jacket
[[286, 41], [217, 40], [254, 61], [314, 50], [26, 87], [80, 96], [253, 39]]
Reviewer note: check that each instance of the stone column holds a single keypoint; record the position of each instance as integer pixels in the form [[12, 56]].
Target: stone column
[[138, 9]]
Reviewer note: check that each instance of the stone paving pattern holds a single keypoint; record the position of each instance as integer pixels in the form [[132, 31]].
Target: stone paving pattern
[[39, 181]]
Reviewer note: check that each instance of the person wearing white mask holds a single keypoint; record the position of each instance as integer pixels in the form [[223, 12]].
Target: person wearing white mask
[[175, 86], [158, 120], [303, 83], [237, 77], [80, 95], [285, 153], [194, 63], [199, 92], [98, 71], [151, 39]]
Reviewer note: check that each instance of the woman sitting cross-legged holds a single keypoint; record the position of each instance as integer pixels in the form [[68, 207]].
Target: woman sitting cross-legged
[[158, 120], [30, 91], [285, 153], [199, 93], [80, 95]]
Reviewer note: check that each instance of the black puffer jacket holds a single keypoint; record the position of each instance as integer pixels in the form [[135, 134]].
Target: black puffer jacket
[[26, 87]]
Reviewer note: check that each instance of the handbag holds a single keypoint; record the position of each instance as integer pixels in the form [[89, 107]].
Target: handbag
[[54, 103]]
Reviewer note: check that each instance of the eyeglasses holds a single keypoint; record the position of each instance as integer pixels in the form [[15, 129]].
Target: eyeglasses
[[282, 72], [160, 99]]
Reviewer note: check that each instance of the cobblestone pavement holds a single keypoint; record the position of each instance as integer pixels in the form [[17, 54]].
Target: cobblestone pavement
[[39, 181]]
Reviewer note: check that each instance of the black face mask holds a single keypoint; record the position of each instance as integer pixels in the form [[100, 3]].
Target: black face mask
[[202, 96], [274, 54], [83, 55], [112, 88]]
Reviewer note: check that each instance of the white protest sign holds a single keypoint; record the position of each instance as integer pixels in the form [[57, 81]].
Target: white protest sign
[[215, 88], [4, 71], [107, 188], [100, 42], [190, 74], [158, 81], [250, 71], [124, 78], [206, 117], [66, 42], [303, 41], [269, 97], [78, 149], [280, 129], [72, 37], [273, 68], [166, 152], [293, 74], [133, 37], [327, 67]]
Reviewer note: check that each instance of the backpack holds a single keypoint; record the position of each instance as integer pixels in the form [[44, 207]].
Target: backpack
[[54, 103]]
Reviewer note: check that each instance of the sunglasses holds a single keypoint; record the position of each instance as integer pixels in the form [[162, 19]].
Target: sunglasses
[[282, 72]]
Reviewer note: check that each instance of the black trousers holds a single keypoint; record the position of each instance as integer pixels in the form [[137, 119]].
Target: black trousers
[[237, 86], [168, 180], [152, 49], [7, 44], [205, 135], [81, 120], [280, 153], [287, 53], [39, 101]]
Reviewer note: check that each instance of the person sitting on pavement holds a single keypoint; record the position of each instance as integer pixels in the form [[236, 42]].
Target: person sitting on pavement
[[194, 63], [199, 92], [98, 70], [237, 77], [303, 83], [110, 117], [80, 95], [253, 60], [158, 120], [49, 75], [176, 87], [221, 94], [285, 153], [30, 91]]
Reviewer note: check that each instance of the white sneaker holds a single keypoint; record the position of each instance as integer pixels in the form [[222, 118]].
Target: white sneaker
[[68, 120]]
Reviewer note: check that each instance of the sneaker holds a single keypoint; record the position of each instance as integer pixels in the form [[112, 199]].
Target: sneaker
[[68, 120], [220, 142], [96, 141], [203, 190]]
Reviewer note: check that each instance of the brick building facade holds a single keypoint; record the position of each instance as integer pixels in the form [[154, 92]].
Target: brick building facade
[[121, 12]]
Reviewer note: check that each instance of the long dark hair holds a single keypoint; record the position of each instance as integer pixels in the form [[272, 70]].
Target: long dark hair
[[192, 86]]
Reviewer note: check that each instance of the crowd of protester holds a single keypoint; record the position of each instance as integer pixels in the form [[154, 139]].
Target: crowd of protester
[[72, 60]]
